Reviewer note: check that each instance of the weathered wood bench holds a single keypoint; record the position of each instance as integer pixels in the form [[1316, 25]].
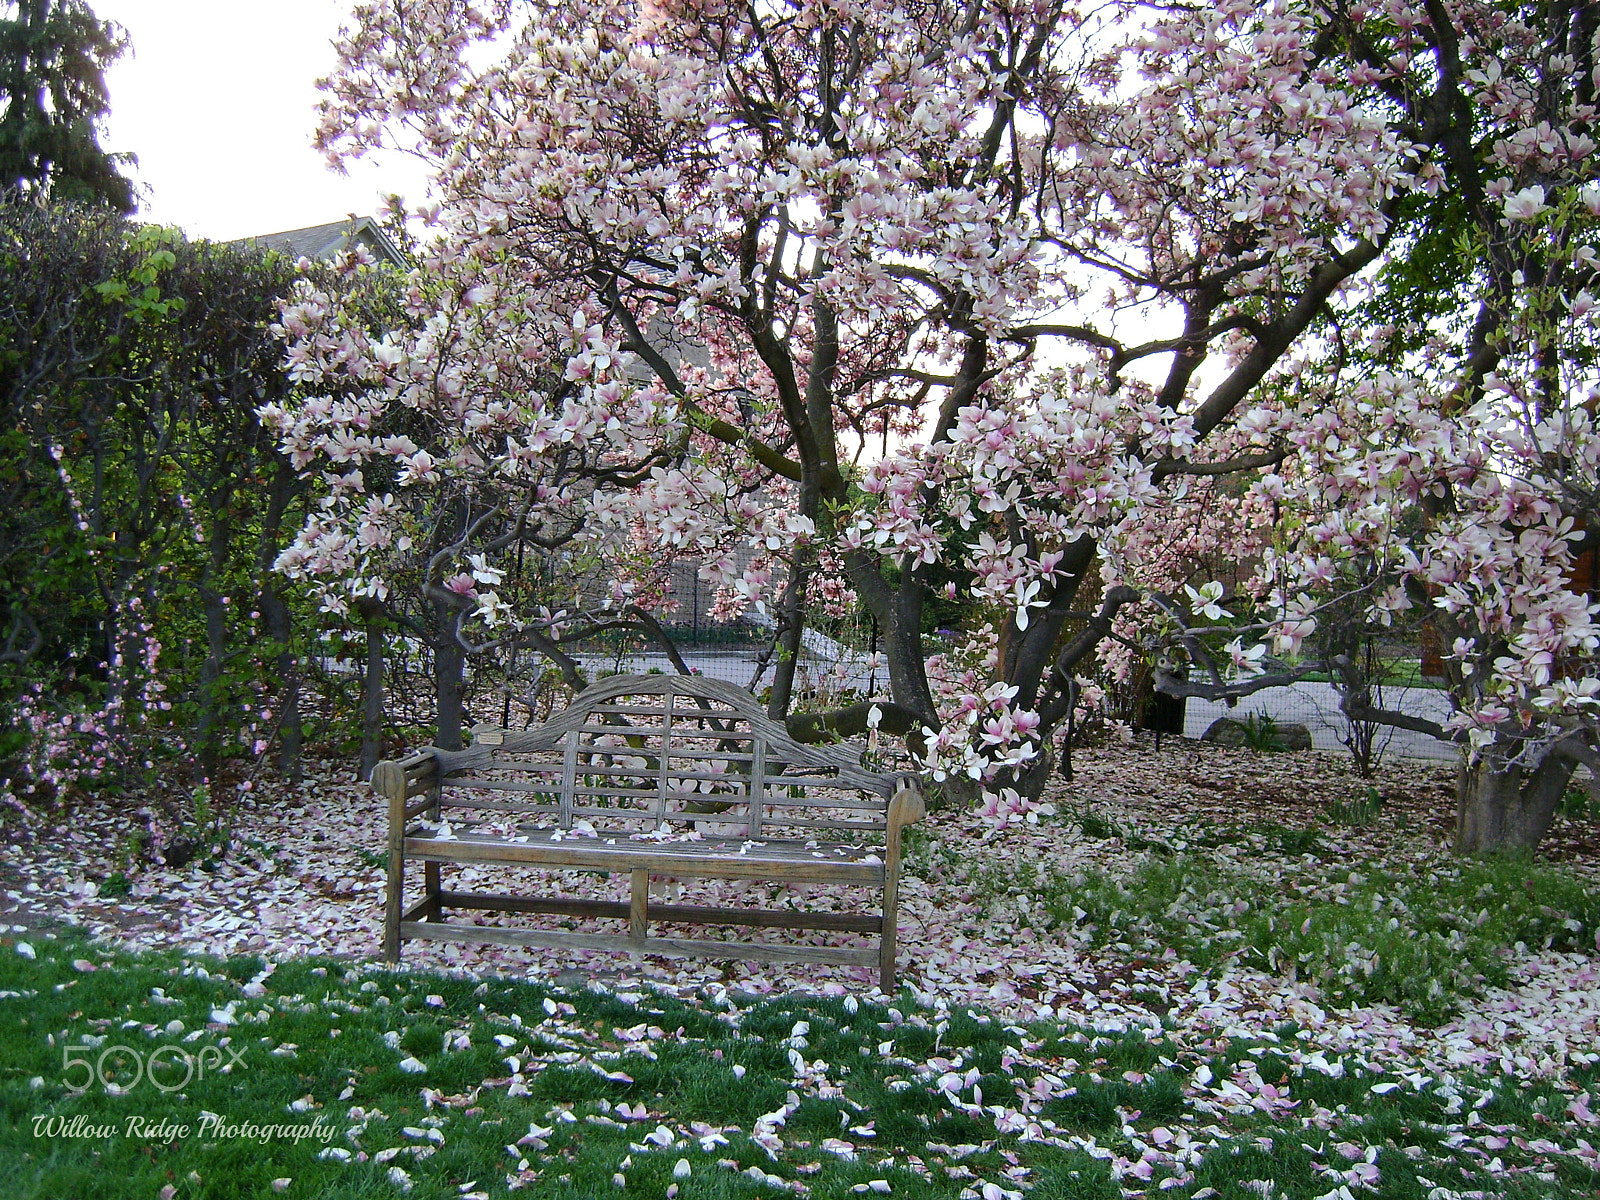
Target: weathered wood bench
[[648, 775]]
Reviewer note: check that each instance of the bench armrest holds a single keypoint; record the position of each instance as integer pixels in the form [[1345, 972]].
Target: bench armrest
[[397, 780], [906, 807]]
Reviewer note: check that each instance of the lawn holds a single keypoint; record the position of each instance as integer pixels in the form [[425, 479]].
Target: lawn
[[1206, 974], [321, 1078]]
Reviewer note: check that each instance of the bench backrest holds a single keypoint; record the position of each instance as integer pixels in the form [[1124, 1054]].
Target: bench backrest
[[634, 752]]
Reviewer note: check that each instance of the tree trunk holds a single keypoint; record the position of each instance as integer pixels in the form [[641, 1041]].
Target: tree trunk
[[212, 726], [1503, 809], [291, 726], [210, 721], [449, 659], [792, 628], [904, 652], [372, 694], [279, 621]]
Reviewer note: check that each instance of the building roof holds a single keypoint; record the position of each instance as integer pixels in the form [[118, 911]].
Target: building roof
[[324, 241]]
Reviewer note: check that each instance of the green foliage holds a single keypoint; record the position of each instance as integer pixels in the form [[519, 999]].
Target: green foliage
[[141, 507], [53, 59], [1261, 732], [139, 292], [1363, 811], [1577, 805]]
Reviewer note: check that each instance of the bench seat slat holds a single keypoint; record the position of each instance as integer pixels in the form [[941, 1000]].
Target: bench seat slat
[[774, 849], [451, 798], [595, 816]]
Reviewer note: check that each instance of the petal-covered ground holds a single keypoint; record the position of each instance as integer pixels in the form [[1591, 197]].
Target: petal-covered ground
[[1206, 902], [306, 876]]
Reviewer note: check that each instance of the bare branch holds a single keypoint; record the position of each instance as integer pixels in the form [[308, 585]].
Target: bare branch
[[1245, 462], [21, 623], [1169, 683]]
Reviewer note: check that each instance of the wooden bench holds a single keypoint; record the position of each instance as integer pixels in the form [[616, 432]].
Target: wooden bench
[[648, 774]]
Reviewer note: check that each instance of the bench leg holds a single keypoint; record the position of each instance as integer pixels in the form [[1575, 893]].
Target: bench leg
[[393, 896], [638, 902], [886, 940], [431, 889]]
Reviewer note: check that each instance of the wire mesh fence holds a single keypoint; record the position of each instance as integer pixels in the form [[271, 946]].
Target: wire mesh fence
[[832, 671]]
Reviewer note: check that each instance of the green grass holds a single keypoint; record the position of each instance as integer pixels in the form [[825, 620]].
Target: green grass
[[323, 1045], [1397, 673], [1421, 940]]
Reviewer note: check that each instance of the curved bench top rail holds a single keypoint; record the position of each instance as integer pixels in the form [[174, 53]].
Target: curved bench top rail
[[740, 704]]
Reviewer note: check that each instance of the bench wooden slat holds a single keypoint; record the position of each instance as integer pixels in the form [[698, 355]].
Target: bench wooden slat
[[732, 756], [664, 786], [653, 770], [758, 768], [622, 793], [663, 858], [476, 782], [688, 817], [569, 770], [806, 781], [654, 731], [521, 810], [589, 812], [773, 850], [667, 914], [778, 819]]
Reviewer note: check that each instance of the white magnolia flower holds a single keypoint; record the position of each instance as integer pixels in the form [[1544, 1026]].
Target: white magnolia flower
[[491, 609], [1526, 205], [1246, 662], [1205, 600], [483, 572]]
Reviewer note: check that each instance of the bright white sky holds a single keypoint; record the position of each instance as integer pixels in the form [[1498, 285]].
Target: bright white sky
[[217, 98]]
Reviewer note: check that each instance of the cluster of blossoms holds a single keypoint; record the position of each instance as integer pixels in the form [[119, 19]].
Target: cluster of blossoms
[[1006, 807], [1018, 484], [108, 743], [1419, 509], [982, 734], [497, 411], [1495, 563]]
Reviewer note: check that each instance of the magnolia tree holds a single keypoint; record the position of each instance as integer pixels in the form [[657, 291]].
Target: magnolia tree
[[1452, 489], [1454, 500], [833, 298]]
